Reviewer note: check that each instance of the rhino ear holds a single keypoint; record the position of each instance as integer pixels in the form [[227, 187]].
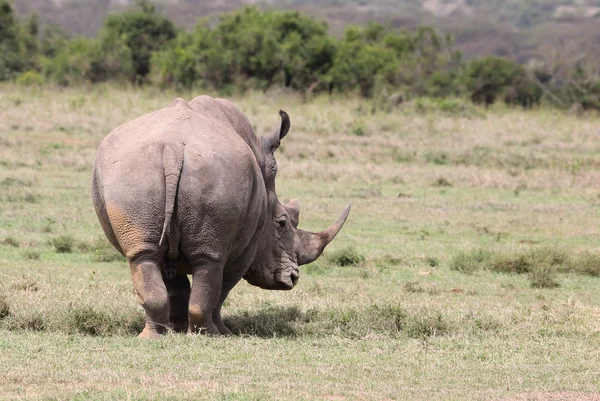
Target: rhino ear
[[274, 139]]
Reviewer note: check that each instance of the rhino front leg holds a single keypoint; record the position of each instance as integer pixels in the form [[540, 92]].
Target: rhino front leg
[[228, 284], [204, 297], [152, 293]]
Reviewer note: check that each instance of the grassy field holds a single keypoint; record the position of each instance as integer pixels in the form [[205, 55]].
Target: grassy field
[[468, 269]]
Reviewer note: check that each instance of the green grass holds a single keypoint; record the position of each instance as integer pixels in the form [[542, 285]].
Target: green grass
[[468, 268], [541, 263]]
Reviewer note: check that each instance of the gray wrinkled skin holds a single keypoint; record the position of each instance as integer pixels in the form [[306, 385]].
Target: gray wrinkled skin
[[190, 189]]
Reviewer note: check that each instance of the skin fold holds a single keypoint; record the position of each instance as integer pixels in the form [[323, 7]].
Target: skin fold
[[190, 190]]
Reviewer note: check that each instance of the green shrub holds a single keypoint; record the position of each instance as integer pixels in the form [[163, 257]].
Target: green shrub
[[249, 48], [424, 325], [142, 33], [81, 60], [89, 321], [471, 261], [63, 244], [346, 257], [489, 76], [518, 264], [585, 263], [30, 78], [543, 276], [17, 45]]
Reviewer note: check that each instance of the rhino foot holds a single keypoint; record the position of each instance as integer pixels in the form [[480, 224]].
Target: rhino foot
[[149, 334]]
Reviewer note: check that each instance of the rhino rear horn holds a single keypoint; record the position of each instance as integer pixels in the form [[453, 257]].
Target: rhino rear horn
[[311, 245], [274, 139]]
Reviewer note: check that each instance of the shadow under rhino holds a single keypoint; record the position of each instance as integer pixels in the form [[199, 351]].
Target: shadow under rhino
[[266, 323]]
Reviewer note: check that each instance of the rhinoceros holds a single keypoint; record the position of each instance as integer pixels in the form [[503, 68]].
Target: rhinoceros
[[190, 190]]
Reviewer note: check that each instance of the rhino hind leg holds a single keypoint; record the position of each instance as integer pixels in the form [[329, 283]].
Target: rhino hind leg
[[228, 284], [153, 295], [178, 288], [204, 298]]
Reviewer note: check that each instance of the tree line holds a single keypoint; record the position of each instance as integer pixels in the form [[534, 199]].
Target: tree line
[[255, 49]]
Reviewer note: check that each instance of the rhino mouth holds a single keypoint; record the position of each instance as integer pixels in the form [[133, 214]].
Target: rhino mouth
[[287, 279], [283, 279]]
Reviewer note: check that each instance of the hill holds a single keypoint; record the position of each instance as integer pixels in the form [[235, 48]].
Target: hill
[[521, 29]]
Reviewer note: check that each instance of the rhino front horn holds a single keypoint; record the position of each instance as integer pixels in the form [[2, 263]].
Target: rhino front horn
[[311, 245]]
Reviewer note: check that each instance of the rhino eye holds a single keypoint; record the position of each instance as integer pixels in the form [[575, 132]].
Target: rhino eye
[[280, 224]]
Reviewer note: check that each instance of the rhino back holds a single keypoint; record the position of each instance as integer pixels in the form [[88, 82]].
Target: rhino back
[[218, 186]]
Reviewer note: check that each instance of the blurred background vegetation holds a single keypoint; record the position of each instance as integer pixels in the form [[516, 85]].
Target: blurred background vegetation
[[521, 52]]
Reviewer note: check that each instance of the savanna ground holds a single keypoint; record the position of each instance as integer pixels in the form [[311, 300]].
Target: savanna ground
[[468, 268]]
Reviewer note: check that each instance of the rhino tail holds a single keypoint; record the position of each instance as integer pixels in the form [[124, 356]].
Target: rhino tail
[[172, 163]]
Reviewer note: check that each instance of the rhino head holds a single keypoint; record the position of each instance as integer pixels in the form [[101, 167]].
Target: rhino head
[[284, 246]]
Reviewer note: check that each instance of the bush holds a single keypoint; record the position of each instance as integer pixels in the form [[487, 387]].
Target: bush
[[543, 276], [142, 33], [541, 263], [471, 261], [361, 61], [89, 321], [63, 244], [346, 257], [519, 262], [84, 60], [16, 45], [249, 49], [30, 78], [585, 263], [488, 77], [424, 325]]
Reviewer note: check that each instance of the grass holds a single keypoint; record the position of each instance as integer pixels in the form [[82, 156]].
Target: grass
[[468, 268], [541, 263], [10, 241]]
